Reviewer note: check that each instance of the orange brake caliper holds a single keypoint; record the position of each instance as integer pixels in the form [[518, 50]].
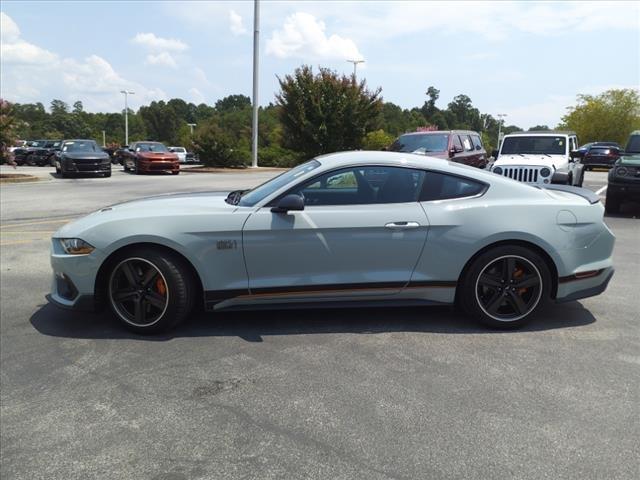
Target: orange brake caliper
[[161, 287], [519, 273]]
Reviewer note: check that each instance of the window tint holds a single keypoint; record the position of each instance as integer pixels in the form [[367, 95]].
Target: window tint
[[477, 143], [466, 143], [534, 144], [633, 145], [440, 186], [456, 141], [362, 185], [422, 143]]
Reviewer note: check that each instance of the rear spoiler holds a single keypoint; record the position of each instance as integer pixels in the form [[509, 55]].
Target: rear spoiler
[[588, 195]]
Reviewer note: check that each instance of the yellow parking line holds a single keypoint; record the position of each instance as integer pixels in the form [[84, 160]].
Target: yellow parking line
[[60, 220]]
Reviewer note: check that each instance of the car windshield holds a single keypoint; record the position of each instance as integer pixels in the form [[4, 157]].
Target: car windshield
[[150, 147], [545, 145], [421, 143], [36, 143], [80, 146], [251, 197], [178, 150], [633, 146]]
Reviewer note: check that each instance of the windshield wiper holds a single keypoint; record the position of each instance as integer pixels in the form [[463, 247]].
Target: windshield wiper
[[234, 197]]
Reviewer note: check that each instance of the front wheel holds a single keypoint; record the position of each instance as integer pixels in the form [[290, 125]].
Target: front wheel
[[175, 173], [504, 286], [150, 291]]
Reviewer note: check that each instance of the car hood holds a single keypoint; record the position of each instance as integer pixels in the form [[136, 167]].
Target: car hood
[[161, 208], [632, 160], [85, 155], [157, 155], [530, 160]]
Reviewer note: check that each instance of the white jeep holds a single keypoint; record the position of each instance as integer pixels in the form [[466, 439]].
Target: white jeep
[[539, 158]]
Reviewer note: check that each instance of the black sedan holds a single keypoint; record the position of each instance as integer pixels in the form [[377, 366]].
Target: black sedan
[[82, 157], [601, 154]]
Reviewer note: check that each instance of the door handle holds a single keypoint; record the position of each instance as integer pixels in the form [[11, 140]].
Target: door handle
[[402, 225]]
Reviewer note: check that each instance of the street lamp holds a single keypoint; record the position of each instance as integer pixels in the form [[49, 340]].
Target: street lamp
[[355, 65], [126, 115], [254, 119], [191, 125], [500, 122]]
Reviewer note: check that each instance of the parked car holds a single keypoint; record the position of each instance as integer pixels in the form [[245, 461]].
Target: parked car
[[111, 151], [181, 152], [460, 146], [146, 157], [192, 158], [540, 158], [23, 155], [45, 154], [624, 178], [16, 145], [346, 228], [82, 156], [600, 154]]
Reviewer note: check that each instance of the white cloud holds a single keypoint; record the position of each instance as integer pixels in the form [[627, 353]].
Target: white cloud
[[162, 59], [14, 50], [303, 36], [152, 42], [196, 96], [9, 31], [236, 25]]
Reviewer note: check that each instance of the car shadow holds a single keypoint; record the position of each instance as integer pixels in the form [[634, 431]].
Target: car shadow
[[252, 326]]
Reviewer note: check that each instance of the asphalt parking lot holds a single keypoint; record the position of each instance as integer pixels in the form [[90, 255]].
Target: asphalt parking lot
[[395, 393]]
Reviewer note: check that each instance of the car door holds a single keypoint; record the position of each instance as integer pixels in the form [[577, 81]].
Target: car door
[[361, 233]]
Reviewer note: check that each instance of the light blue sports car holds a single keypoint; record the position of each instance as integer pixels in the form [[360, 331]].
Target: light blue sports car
[[343, 229]]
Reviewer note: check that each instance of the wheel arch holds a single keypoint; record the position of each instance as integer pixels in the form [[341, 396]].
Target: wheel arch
[[553, 269], [100, 287]]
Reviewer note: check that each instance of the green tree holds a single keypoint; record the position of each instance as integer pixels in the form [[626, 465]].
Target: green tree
[[377, 140], [233, 102], [610, 116], [539, 128], [7, 130], [325, 112], [216, 147], [161, 122]]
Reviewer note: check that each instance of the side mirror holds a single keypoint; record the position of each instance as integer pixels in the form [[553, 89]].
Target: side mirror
[[291, 202], [576, 154], [455, 149], [560, 178], [494, 153]]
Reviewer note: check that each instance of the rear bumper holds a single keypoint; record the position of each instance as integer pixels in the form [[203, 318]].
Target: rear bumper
[[598, 162], [576, 288]]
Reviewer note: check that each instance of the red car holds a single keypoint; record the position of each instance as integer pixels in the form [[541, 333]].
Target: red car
[[460, 146], [147, 157]]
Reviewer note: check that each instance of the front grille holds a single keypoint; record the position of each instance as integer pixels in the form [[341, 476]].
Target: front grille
[[91, 166], [522, 174], [160, 166]]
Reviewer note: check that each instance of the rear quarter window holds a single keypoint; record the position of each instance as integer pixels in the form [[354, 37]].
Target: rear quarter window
[[442, 186]]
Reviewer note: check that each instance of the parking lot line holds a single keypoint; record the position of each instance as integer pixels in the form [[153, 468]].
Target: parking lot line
[[43, 222]]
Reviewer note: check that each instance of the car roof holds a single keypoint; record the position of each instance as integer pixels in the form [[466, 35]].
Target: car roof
[[541, 132], [78, 140], [434, 132]]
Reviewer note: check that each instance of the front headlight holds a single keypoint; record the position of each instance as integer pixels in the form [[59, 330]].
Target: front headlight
[[497, 170], [76, 246], [621, 171], [545, 172]]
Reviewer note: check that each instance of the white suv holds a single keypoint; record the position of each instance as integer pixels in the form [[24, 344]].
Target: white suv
[[540, 158]]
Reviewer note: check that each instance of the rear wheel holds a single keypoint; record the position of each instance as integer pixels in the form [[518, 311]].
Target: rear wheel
[[175, 173], [611, 203], [150, 291], [504, 286]]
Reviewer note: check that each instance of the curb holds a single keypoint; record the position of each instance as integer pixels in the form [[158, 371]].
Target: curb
[[18, 178]]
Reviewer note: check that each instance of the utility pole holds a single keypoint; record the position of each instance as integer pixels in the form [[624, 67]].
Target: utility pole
[[355, 66], [256, 46], [191, 125], [500, 122], [126, 115]]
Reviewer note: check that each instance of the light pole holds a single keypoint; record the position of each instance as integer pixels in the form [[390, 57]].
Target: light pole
[[191, 125], [500, 122], [256, 46], [355, 65], [126, 115]]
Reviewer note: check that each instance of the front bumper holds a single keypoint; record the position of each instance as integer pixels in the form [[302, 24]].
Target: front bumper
[[628, 189], [158, 166], [84, 166]]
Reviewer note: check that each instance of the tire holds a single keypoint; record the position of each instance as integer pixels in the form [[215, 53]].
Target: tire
[[484, 297], [579, 184], [58, 171], [29, 161], [150, 291], [124, 164], [611, 203], [175, 173]]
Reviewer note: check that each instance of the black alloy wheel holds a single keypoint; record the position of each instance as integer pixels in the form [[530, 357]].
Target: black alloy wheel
[[504, 286], [138, 292], [509, 288]]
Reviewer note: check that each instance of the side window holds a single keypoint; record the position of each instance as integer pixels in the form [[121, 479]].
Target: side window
[[362, 185], [440, 186], [477, 143], [466, 143], [456, 141]]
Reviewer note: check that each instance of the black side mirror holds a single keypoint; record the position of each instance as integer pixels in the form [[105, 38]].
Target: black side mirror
[[494, 153], [455, 149], [560, 178], [289, 202], [576, 154]]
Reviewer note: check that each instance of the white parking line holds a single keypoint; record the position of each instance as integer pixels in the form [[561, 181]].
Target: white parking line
[[598, 192]]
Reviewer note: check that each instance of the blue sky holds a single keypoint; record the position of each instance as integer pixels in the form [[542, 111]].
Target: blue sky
[[526, 59]]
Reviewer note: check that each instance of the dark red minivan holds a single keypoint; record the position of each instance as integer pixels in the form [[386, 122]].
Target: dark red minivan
[[462, 146]]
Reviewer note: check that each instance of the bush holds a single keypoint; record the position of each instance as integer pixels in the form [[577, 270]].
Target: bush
[[377, 140], [276, 156], [216, 148]]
